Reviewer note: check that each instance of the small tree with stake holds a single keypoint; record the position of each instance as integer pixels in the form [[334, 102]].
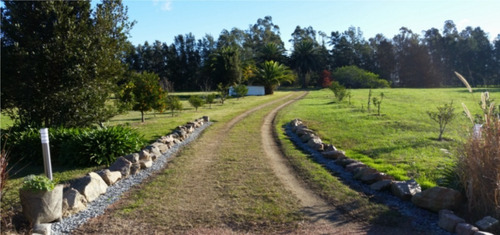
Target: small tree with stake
[[443, 116], [209, 99], [173, 103]]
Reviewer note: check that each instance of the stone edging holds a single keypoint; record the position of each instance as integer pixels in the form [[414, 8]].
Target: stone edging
[[437, 199], [131, 169]]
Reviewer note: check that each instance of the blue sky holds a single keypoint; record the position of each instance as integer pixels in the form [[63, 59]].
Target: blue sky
[[163, 19]]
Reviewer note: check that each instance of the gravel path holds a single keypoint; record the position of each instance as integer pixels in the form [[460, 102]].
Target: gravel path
[[115, 191], [422, 220]]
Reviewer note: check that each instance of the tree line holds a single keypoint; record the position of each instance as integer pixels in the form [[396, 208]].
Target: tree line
[[62, 60], [408, 59]]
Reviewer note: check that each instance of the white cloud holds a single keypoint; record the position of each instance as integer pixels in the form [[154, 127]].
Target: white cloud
[[165, 5]]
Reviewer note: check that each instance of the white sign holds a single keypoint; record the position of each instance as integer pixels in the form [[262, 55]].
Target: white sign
[[44, 133]]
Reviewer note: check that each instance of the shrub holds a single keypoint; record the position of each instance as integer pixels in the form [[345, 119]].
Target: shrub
[[378, 102], [173, 103], [223, 92], [196, 101], [338, 90], [240, 90], [38, 183], [444, 115], [73, 146], [354, 77], [210, 99], [100, 146]]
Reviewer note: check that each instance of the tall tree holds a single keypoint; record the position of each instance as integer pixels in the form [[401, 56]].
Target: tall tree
[[304, 59], [61, 61]]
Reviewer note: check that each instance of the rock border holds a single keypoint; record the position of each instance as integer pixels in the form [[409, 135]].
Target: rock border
[[87, 197], [437, 199]]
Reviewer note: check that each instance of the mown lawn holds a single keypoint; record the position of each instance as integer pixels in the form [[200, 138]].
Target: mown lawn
[[402, 141]]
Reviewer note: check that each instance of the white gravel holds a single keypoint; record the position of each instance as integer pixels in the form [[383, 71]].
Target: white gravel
[[114, 192]]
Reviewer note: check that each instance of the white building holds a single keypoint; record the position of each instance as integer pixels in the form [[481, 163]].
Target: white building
[[252, 90]]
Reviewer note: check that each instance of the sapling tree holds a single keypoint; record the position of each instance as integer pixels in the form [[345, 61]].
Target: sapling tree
[[209, 99], [241, 90], [196, 101], [173, 103], [444, 115], [223, 92], [338, 90], [369, 99], [377, 102]]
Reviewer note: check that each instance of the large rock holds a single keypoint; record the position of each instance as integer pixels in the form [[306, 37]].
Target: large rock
[[133, 158], [354, 165], [405, 189], [448, 221], [181, 132], [329, 147], [135, 168], [381, 185], [146, 164], [189, 128], [438, 198], [369, 175], [161, 146], [344, 161], [306, 137], [91, 186], [73, 202], [316, 144], [42, 229], [154, 151], [302, 130], [465, 229], [206, 118], [144, 155], [110, 177], [165, 139], [335, 154], [122, 165], [294, 123], [487, 223]]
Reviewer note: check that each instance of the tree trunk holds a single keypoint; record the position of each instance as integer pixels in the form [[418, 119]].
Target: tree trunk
[[142, 116], [268, 90]]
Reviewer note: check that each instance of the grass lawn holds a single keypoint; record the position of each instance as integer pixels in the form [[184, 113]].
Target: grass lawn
[[402, 141], [158, 124]]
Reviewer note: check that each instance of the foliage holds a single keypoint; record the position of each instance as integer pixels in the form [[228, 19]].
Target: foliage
[[61, 62], [210, 99], [38, 183], [304, 59], [478, 166], [196, 101], [225, 66], [73, 146], [369, 99], [354, 77], [4, 162], [338, 90], [444, 115], [240, 90], [173, 103], [271, 74], [223, 91], [100, 146], [144, 93], [326, 79]]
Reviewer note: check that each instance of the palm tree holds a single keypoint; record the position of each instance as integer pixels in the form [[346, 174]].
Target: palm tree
[[272, 51], [304, 59], [271, 74]]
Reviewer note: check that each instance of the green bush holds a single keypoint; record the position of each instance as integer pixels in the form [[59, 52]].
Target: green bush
[[354, 77], [72, 146], [338, 90], [100, 146], [196, 101]]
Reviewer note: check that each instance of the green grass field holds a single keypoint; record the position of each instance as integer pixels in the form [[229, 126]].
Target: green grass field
[[402, 141]]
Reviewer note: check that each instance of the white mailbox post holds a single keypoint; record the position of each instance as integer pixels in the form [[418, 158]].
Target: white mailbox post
[[44, 133]]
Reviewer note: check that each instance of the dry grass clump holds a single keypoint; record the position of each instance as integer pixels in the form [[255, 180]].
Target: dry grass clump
[[479, 167]]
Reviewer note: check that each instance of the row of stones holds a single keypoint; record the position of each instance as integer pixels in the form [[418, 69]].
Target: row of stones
[[437, 199], [88, 188]]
